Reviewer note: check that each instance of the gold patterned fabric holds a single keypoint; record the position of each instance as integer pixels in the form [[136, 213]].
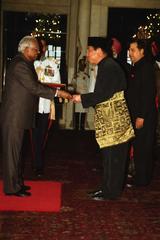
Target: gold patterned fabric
[[112, 121]]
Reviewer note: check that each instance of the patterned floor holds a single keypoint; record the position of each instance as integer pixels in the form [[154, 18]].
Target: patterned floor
[[73, 158]]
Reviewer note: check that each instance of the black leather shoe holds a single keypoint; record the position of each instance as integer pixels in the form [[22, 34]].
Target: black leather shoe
[[101, 197], [26, 188], [95, 193], [98, 197], [20, 193], [39, 172]]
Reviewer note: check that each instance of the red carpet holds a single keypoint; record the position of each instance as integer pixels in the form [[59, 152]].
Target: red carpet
[[46, 197]]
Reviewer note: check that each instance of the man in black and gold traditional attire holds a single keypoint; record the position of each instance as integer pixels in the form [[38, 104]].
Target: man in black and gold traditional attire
[[112, 121]]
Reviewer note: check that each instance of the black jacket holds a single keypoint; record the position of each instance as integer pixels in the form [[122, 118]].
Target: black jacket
[[110, 79], [141, 90]]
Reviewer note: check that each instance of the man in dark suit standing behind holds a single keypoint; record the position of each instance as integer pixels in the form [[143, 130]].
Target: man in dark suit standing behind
[[141, 94], [19, 106]]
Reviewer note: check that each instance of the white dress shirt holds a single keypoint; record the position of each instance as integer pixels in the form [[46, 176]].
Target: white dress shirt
[[48, 72]]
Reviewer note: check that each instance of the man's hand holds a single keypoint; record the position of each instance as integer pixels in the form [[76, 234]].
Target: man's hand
[[76, 98], [64, 94], [139, 123]]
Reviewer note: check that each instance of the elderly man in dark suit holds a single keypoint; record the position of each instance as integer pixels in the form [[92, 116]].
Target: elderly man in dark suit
[[19, 106]]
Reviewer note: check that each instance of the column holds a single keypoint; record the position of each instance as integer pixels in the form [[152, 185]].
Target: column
[[83, 26], [82, 39]]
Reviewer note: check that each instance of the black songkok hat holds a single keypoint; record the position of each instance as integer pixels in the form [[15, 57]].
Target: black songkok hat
[[101, 42]]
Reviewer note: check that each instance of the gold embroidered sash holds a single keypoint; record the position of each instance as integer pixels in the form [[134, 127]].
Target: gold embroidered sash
[[112, 121]]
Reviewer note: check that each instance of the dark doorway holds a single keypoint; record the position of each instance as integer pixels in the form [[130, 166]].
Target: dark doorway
[[50, 26], [123, 23]]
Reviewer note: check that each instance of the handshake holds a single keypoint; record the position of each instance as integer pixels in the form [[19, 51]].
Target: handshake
[[76, 98]]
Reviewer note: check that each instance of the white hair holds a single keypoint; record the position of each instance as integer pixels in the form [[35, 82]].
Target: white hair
[[25, 42]]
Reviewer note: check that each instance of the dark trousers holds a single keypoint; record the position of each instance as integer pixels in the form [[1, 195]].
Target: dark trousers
[[158, 129], [143, 146], [12, 139], [114, 165], [38, 135]]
